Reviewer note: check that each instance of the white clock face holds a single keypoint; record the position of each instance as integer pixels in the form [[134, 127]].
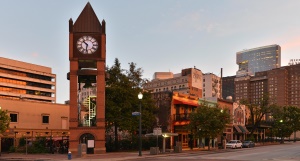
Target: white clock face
[[87, 44]]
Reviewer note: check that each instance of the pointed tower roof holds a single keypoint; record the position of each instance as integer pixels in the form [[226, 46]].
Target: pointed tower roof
[[87, 21]]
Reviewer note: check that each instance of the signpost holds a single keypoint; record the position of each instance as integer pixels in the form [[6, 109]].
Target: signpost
[[135, 113], [157, 131]]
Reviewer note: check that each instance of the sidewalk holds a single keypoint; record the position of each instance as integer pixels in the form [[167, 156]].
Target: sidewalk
[[111, 156]]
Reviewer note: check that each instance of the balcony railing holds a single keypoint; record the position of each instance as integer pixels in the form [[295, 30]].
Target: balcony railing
[[181, 117]]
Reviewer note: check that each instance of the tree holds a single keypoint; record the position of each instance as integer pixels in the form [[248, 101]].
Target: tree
[[4, 120], [293, 118], [208, 122], [121, 99], [257, 112], [286, 120]]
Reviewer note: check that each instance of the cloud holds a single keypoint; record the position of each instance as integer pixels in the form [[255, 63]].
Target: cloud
[[291, 44], [194, 21], [35, 55]]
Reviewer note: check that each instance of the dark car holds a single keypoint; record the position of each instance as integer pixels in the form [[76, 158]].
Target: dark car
[[248, 144]]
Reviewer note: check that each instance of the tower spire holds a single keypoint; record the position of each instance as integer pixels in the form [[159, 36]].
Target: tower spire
[[87, 21]]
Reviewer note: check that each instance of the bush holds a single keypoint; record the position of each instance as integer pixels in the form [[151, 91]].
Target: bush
[[251, 138], [22, 141], [12, 149], [38, 146], [132, 144]]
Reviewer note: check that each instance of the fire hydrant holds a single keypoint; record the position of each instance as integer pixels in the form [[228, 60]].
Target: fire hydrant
[[69, 155]]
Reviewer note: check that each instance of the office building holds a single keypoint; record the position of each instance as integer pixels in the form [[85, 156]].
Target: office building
[[282, 85], [25, 81], [228, 87], [258, 59], [189, 81]]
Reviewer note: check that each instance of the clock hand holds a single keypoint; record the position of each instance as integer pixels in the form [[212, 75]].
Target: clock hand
[[86, 45]]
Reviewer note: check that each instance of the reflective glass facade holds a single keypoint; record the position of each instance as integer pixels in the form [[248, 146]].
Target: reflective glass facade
[[258, 59]]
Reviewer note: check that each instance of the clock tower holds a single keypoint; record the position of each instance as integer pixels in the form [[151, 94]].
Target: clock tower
[[87, 56]]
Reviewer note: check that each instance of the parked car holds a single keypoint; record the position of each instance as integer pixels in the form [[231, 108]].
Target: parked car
[[234, 144], [248, 144]]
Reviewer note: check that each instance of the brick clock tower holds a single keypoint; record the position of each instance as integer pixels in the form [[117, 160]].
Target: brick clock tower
[[87, 55]]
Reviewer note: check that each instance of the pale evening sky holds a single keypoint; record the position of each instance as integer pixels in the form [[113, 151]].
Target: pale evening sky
[[157, 35]]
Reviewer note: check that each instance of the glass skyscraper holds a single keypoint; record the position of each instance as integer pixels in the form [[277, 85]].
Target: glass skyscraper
[[258, 59]]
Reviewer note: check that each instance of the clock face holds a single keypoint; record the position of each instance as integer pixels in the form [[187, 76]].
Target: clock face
[[87, 45]]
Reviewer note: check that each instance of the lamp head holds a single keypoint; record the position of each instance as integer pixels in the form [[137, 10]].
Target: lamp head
[[140, 95]]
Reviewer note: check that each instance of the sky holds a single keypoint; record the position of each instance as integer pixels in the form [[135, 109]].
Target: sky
[[157, 35]]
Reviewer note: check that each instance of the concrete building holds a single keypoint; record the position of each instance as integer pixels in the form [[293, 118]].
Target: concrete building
[[84, 93], [258, 59], [189, 81], [25, 81], [211, 86]]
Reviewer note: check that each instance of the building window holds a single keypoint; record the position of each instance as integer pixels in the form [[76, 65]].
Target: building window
[[45, 119], [64, 123], [13, 117]]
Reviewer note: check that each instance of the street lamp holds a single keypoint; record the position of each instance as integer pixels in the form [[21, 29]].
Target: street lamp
[[140, 96], [281, 142]]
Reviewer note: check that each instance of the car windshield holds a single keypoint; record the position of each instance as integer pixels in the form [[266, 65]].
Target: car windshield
[[232, 141], [246, 141]]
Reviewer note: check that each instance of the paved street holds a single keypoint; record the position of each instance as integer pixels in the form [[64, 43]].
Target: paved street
[[281, 152]]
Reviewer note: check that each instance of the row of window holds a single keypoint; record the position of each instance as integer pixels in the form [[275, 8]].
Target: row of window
[[163, 83], [30, 75], [25, 83], [172, 88], [14, 118], [22, 91]]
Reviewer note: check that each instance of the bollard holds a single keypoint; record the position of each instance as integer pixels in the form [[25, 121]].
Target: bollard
[[69, 155]]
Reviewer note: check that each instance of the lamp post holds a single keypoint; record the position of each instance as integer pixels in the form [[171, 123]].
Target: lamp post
[[27, 141], [140, 96], [281, 142]]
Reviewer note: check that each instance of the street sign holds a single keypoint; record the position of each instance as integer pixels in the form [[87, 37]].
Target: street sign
[[157, 131], [135, 113]]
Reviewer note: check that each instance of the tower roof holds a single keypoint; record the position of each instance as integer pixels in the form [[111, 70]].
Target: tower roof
[[87, 21]]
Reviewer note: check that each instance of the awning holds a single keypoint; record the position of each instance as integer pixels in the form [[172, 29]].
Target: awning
[[237, 128], [184, 101], [243, 128]]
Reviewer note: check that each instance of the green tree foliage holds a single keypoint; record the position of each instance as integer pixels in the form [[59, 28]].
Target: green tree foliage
[[257, 112], [4, 120], [121, 99], [286, 120], [208, 122]]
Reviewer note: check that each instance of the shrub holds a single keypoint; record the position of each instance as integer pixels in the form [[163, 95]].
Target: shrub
[[12, 149]]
